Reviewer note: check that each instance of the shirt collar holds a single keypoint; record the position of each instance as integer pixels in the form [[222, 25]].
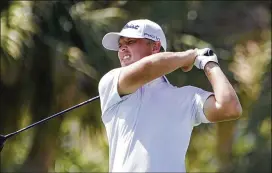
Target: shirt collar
[[158, 80]]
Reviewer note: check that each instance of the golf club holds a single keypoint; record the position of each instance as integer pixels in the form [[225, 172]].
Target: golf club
[[3, 138]]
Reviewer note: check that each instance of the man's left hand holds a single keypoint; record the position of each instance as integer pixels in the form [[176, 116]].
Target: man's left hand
[[201, 60]]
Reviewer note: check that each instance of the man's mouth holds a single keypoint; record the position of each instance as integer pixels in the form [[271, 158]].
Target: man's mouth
[[126, 57]]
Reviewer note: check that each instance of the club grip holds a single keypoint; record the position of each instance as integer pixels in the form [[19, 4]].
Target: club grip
[[209, 53]]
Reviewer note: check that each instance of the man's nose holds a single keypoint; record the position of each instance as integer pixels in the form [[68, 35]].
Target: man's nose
[[123, 48]]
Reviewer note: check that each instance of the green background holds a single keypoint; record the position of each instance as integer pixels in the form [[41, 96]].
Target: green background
[[52, 59]]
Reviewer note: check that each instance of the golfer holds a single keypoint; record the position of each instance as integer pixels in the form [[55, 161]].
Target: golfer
[[149, 121]]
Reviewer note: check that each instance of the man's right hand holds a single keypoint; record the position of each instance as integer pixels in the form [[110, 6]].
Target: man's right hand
[[190, 63]]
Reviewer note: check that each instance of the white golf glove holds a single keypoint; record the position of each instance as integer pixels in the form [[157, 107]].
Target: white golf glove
[[203, 58]]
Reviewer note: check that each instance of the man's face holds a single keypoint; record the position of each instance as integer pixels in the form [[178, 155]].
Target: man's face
[[134, 49]]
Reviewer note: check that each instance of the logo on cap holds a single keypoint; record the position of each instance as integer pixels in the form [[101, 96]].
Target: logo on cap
[[152, 36], [131, 26]]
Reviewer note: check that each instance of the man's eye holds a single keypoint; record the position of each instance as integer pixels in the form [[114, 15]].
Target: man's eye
[[131, 41], [126, 43], [119, 45]]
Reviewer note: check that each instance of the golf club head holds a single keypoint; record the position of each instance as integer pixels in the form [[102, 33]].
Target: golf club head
[[2, 141]]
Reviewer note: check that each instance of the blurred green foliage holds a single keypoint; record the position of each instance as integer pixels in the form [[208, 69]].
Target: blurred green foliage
[[52, 58]]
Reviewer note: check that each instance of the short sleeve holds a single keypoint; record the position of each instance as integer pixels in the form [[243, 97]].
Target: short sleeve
[[107, 88], [199, 98]]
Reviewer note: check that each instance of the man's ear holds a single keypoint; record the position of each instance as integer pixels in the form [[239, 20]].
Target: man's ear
[[156, 47]]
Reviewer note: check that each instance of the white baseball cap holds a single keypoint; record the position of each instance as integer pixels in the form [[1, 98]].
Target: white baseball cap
[[142, 28]]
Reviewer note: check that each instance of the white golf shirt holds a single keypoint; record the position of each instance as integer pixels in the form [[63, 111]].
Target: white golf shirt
[[150, 129]]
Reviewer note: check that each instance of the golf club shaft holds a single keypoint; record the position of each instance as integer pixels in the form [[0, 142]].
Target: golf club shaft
[[48, 118]]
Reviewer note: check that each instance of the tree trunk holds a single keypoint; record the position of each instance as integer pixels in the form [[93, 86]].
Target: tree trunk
[[225, 133], [42, 152]]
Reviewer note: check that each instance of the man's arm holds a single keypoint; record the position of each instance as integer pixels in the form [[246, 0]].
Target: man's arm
[[224, 105], [151, 67]]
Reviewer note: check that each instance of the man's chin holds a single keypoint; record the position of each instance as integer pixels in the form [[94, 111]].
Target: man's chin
[[123, 64]]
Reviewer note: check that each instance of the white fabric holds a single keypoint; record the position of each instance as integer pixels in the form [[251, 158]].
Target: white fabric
[[141, 28], [150, 129]]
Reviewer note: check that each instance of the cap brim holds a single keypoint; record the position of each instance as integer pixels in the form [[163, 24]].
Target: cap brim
[[111, 40]]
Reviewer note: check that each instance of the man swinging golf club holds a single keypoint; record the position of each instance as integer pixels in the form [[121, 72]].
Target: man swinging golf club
[[149, 121]]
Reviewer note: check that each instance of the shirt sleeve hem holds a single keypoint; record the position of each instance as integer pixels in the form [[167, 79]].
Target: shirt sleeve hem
[[202, 114]]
